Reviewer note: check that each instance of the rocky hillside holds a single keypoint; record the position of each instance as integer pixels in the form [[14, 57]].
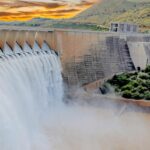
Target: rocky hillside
[[136, 11]]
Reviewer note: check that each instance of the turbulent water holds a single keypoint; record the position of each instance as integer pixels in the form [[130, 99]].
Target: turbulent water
[[33, 116], [30, 85]]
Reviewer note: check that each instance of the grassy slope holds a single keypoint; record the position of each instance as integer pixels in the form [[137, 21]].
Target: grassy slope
[[137, 11], [139, 16]]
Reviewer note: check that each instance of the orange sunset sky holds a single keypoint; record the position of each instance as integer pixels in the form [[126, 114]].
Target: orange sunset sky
[[11, 10]]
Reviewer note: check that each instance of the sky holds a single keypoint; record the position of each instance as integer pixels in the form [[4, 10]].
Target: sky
[[21, 10]]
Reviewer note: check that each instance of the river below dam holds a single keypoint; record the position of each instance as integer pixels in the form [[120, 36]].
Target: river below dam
[[36, 115]]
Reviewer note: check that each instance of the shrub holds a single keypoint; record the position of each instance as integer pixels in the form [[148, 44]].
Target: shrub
[[140, 81], [134, 83], [144, 75], [137, 95], [147, 95], [141, 89], [147, 70], [117, 89], [120, 80], [133, 90], [133, 77], [127, 87], [133, 73], [147, 84], [126, 94]]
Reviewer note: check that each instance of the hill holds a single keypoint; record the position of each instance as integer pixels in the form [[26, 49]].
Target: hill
[[136, 11], [99, 16]]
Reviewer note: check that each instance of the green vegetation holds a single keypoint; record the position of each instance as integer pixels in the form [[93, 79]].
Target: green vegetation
[[134, 85], [84, 26], [63, 24]]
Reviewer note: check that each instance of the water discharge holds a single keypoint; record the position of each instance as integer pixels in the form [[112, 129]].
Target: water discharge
[[33, 116], [30, 85]]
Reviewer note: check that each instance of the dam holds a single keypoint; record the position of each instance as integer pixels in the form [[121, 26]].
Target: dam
[[33, 114], [86, 56]]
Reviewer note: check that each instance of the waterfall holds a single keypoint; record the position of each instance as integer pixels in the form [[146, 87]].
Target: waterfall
[[30, 86]]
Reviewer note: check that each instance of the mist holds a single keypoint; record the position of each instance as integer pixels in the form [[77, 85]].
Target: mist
[[90, 122]]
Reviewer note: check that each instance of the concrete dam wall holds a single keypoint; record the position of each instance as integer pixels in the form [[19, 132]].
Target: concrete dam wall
[[86, 56], [91, 56]]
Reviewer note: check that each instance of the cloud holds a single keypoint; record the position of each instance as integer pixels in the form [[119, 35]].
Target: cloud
[[2, 14], [28, 9], [37, 4]]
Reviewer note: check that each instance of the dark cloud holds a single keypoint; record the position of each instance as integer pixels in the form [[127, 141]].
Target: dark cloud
[[64, 11], [2, 14], [38, 4], [49, 12]]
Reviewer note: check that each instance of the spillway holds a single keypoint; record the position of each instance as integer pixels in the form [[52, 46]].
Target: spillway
[[30, 85]]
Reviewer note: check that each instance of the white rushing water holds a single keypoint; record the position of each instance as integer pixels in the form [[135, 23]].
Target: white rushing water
[[30, 85]]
